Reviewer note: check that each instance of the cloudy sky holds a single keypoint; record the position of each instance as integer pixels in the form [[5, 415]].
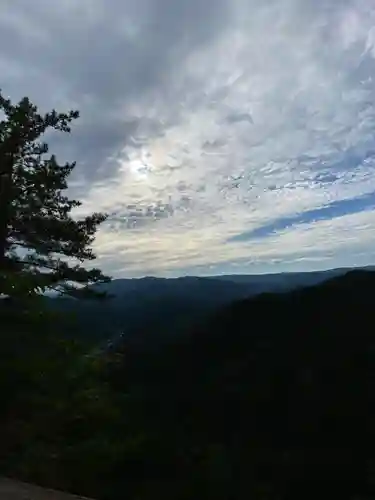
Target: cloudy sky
[[220, 135]]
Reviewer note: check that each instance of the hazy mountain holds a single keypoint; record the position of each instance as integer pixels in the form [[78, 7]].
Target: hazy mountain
[[276, 282], [252, 284], [161, 306]]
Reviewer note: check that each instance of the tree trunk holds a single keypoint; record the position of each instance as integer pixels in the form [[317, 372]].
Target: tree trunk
[[5, 200]]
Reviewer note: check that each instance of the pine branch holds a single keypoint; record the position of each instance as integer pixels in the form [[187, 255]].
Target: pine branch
[[34, 212]]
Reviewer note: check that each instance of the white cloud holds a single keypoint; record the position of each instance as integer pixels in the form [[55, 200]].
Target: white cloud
[[270, 115], [252, 124]]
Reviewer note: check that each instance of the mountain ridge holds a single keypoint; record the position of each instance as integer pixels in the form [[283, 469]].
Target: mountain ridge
[[171, 306]]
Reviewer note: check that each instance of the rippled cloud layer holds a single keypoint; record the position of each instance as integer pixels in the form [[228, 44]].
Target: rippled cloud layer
[[220, 136]]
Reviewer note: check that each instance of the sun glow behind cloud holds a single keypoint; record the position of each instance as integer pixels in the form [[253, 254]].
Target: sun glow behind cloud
[[236, 128], [275, 117]]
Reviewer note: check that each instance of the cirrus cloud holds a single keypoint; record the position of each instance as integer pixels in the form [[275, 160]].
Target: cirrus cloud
[[226, 134]]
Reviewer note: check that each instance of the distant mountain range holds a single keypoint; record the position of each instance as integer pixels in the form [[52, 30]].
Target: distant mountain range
[[161, 307]]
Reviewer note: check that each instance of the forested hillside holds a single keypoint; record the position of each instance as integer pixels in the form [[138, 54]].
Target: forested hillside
[[272, 397]]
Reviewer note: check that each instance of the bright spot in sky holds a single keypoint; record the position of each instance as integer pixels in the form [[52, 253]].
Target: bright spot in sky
[[221, 135], [138, 169]]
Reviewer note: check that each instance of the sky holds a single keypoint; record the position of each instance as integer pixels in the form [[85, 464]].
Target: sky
[[221, 136]]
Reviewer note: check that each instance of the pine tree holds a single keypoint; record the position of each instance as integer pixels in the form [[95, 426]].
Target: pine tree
[[42, 247]]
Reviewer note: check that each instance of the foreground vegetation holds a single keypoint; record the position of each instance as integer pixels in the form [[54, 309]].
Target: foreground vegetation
[[272, 398]]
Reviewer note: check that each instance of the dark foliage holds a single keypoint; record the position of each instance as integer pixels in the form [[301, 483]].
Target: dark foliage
[[42, 247], [270, 399]]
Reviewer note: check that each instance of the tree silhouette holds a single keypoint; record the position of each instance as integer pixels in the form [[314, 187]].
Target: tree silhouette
[[42, 247]]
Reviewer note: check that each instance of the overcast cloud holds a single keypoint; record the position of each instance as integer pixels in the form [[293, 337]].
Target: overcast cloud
[[220, 135]]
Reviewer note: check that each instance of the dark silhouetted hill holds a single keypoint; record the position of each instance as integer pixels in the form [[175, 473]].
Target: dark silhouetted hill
[[269, 397], [158, 306], [274, 393]]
